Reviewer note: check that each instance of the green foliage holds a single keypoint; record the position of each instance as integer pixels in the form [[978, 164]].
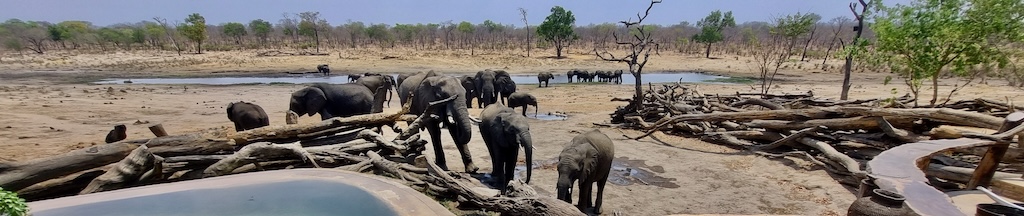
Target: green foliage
[[194, 29], [712, 25], [260, 28], [466, 27], [558, 28], [380, 33], [13, 44], [11, 204], [154, 31], [234, 30], [491, 26], [138, 35], [58, 32], [929, 38], [312, 24], [794, 25]]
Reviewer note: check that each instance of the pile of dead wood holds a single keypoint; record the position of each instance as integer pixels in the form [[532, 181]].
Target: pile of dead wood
[[349, 143], [281, 53], [840, 136]]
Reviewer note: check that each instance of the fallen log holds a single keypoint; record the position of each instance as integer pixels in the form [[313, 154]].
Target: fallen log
[[851, 165], [18, 175], [790, 138], [68, 185], [253, 153], [130, 170], [538, 205], [758, 101]]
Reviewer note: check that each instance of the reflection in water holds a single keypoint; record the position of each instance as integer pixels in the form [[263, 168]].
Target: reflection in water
[[338, 79], [624, 172]]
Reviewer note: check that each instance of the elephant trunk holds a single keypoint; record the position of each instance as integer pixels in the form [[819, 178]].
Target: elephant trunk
[[564, 188], [527, 142], [462, 130]]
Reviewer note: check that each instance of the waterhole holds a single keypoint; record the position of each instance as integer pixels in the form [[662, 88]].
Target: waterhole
[[339, 79]]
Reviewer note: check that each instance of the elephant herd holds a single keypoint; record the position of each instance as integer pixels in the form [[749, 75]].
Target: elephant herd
[[586, 159], [602, 76]]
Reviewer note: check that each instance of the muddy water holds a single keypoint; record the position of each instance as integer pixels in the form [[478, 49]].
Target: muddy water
[[338, 79], [548, 116], [624, 172]]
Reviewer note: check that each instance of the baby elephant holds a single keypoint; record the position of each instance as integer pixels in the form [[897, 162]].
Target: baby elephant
[[117, 134], [247, 116], [503, 132], [587, 158], [520, 99]]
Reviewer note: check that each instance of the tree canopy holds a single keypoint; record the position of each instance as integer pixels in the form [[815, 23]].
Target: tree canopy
[[711, 29], [261, 29], [234, 30], [194, 29], [929, 38], [557, 28]]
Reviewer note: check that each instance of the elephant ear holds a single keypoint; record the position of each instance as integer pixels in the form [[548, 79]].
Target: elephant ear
[[314, 100], [231, 116], [589, 163]]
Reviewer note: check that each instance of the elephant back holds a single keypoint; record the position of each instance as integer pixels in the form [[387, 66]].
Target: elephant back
[[347, 99]]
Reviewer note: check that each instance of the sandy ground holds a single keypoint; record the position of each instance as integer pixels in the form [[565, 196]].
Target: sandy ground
[[43, 112]]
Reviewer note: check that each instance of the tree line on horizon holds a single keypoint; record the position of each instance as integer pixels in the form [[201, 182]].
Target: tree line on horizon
[[923, 41]]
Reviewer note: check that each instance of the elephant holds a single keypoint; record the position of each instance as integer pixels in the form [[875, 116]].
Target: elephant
[[590, 76], [617, 76], [521, 99], [587, 158], [571, 73], [402, 77], [429, 87], [470, 85], [375, 81], [120, 132], [486, 91], [247, 115], [324, 69], [544, 77], [505, 87], [354, 77], [503, 132], [602, 76], [331, 100]]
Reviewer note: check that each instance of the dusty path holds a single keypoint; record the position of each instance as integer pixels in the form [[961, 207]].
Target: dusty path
[[41, 115]]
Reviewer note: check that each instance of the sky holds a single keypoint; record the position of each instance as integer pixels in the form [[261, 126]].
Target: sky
[[669, 12]]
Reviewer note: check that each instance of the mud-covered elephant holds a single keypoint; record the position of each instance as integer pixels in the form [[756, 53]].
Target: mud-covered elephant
[[247, 115], [470, 85], [430, 87], [544, 78], [503, 132], [587, 159], [521, 99], [330, 100], [505, 87], [324, 69], [486, 91], [375, 81]]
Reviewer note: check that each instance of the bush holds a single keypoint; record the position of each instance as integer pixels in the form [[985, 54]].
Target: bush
[[11, 204]]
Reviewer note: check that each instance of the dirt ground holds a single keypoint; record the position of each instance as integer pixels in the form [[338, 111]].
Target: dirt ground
[[46, 110]]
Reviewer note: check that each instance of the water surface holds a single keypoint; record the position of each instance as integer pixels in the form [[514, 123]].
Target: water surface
[[338, 79]]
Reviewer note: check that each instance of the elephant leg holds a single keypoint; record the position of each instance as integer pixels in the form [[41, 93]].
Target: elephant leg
[[238, 127], [510, 165], [524, 109], [435, 138], [324, 115], [600, 194], [492, 150], [584, 194], [467, 157]]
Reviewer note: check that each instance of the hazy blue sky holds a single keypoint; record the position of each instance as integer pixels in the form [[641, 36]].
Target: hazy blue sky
[[106, 12]]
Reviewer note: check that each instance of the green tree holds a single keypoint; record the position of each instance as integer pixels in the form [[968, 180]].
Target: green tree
[[13, 44], [355, 31], [153, 33], [235, 30], [711, 29], [557, 28], [930, 38], [194, 29], [379, 33], [113, 36], [78, 32], [312, 25], [138, 35], [261, 29], [59, 33], [793, 26], [467, 30], [11, 204], [31, 32]]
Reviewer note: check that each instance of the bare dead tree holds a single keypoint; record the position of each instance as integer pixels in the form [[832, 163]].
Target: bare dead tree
[[640, 51], [849, 57], [769, 55], [523, 12], [163, 23], [837, 27]]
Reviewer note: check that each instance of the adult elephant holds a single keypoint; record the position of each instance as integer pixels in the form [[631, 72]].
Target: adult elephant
[[470, 85], [505, 87], [503, 132], [430, 87], [376, 81], [521, 99], [544, 77], [324, 69], [354, 77], [571, 73], [601, 75], [486, 92], [617, 76], [588, 159], [330, 100], [590, 75], [402, 77], [247, 115]]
